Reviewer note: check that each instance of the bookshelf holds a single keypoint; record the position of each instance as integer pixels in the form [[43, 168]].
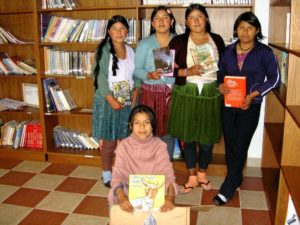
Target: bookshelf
[[281, 157], [15, 16]]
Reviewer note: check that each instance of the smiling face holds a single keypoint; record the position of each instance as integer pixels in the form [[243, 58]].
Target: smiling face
[[162, 22], [141, 125], [196, 21], [246, 32], [118, 32]]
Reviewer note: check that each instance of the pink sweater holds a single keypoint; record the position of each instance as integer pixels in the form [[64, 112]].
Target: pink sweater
[[135, 156]]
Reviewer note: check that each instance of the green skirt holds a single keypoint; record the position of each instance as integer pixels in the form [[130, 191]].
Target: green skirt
[[195, 117]]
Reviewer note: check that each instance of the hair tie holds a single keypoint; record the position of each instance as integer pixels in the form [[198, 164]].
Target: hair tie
[[169, 11]]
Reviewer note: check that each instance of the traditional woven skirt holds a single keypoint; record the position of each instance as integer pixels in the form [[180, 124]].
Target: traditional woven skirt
[[109, 124], [195, 117], [157, 97]]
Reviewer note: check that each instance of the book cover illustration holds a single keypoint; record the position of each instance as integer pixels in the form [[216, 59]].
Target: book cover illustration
[[121, 92], [146, 192], [204, 56], [237, 85], [164, 60]]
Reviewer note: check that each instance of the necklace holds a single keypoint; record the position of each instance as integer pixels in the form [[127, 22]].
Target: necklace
[[245, 50]]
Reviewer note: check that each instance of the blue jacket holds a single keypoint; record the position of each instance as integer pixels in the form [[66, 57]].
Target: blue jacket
[[260, 68]]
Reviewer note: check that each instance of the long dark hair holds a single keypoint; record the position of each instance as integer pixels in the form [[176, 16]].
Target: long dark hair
[[168, 10], [148, 111], [250, 18], [202, 9], [111, 21]]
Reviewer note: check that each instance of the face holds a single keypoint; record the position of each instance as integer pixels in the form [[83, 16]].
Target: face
[[246, 32], [196, 21], [162, 22], [141, 125], [118, 32]]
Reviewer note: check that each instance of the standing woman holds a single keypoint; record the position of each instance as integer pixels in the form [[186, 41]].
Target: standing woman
[[156, 89], [195, 112], [114, 63], [246, 57]]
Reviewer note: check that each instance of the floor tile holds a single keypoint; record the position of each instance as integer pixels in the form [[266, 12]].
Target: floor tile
[[78, 219], [60, 202], [181, 177], [192, 198], [261, 217], [252, 184], [3, 172], [38, 217], [193, 217], [45, 181], [12, 214], [60, 169], [26, 197], [253, 200], [252, 172], [6, 191], [207, 198], [99, 190], [91, 205], [216, 181], [220, 216], [89, 172], [8, 163], [16, 178], [31, 166], [76, 185]]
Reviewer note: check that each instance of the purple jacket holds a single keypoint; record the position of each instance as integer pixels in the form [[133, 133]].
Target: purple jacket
[[260, 68]]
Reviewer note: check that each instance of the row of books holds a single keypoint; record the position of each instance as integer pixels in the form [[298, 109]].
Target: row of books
[[146, 25], [56, 98], [15, 65], [8, 38], [65, 62], [11, 104], [62, 29], [26, 134], [187, 2], [52, 4], [67, 138]]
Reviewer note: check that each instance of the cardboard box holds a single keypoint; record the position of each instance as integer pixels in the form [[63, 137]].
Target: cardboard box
[[177, 216]]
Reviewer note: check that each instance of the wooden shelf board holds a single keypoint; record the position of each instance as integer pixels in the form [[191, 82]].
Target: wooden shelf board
[[15, 76], [292, 177], [206, 6], [280, 93], [295, 113], [12, 45], [68, 76], [26, 110], [287, 48], [76, 44], [74, 112], [16, 12], [275, 133], [88, 8], [22, 154]]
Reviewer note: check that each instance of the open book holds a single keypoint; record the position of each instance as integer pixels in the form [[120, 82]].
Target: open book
[[146, 192], [237, 85], [204, 56], [164, 60], [121, 91]]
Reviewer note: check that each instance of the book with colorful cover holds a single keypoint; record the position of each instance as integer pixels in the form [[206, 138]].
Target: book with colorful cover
[[121, 92], [204, 56], [237, 86], [164, 60], [146, 192]]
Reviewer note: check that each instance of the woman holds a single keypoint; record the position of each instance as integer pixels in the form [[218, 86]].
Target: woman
[[246, 57], [113, 71], [194, 113], [156, 88]]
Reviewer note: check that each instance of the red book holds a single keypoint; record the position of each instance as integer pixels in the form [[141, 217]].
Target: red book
[[237, 86]]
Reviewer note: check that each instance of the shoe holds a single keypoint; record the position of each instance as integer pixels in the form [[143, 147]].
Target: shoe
[[190, 185], [205, 185], [218, 201], [107, 184]]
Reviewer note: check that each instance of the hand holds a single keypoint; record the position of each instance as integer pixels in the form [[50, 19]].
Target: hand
[[135, 95], [155, 75], [223, 89], [114, 104], [194, 70], [168, 205], [248, 100], [125, 204]]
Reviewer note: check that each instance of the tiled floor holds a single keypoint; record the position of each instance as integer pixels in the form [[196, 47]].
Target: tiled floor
[[34, 193]]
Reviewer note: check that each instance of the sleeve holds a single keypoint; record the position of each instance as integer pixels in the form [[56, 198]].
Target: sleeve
[[140, 61], [222, 68], [272, 74]]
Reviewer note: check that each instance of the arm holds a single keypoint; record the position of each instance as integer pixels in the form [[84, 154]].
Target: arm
[[169, 200]]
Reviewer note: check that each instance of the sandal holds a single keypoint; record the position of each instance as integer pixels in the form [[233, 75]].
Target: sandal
[[190, 185], [205, 185], [186, 189]]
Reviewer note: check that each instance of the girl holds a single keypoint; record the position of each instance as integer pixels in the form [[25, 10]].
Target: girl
[[195, 107], [156, 89], [113, 71], [246, 57], [141, 153]]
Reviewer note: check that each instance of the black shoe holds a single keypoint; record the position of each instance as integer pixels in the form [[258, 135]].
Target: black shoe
[[107, 184], [218, 201]]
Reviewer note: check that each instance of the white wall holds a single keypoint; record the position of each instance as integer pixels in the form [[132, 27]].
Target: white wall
[[262, 12]]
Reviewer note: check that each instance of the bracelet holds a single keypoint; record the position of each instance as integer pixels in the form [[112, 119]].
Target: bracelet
[[185, 72]]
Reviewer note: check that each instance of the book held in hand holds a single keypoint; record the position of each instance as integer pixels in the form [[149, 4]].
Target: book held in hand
[[164, 60], [146, 192], [237, 85], [121, 91], [204, 56]]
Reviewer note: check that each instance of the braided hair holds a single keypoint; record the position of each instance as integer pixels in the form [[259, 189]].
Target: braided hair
[[111, 21]]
